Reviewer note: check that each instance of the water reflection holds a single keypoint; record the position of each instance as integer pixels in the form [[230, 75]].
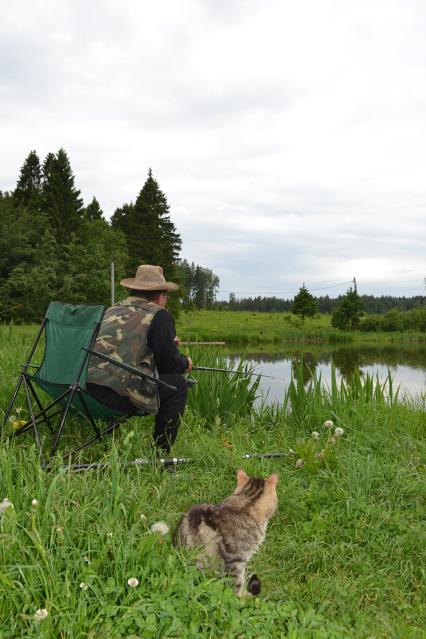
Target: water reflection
[[406, 363]]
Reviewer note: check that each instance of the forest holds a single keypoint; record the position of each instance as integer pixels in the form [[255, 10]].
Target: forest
[[53, 246]]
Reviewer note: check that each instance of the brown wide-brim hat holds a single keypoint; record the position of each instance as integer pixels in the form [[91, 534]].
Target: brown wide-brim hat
[[149, 278]]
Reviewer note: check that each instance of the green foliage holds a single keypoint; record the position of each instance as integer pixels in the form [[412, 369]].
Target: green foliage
[[304, 304], [347, 315], [393, 321]]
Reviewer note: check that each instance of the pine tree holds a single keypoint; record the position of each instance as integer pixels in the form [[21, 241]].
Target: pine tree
[[61, 200], [304, 304], [151, 235], [28, 187]]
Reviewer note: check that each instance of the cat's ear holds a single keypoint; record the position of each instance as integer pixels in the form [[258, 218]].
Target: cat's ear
[[273, 480], [242, 477]]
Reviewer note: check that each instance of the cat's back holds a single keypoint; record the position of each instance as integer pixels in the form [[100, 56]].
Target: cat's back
[[198, 526]]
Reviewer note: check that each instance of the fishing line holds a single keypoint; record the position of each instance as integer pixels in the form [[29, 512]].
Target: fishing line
[[226, 370]]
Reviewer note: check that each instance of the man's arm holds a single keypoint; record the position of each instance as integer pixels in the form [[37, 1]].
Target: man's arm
[[161, 340]]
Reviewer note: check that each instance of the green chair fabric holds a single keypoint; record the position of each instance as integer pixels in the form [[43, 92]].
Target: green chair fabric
[[69, 335]]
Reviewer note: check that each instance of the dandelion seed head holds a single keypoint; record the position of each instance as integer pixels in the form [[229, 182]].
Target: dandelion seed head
[[133, 582], [328, 424], [299, 464], [315, 435], [41, 614], [332, 439], [160, 527], [338, 431], [5, 504]]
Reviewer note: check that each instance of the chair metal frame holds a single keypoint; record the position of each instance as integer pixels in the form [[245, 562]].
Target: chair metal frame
[[73, 397]]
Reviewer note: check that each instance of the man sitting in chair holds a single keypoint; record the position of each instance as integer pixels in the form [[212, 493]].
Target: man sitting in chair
[[140, 332]]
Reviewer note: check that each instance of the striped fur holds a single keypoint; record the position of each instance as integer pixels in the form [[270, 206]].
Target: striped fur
[[233, 530]]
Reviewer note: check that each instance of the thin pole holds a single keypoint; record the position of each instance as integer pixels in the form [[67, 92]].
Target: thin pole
[[112, 284]]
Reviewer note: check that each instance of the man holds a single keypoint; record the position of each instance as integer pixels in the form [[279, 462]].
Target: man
[[140, 332]]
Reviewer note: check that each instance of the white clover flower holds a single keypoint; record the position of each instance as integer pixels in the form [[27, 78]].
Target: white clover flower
[[328, 424], [5, 504], [87, 560], [41, 614], [133, 582], [84, 586], [13, 418], [299, 464], [315, 435], [109, 534], [59, 530], [291, 451], [19, 410], [34, 503], [160, 527], [143, 517], [338, 431]]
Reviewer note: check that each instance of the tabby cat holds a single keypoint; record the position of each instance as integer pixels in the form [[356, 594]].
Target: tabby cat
[[233, 530]]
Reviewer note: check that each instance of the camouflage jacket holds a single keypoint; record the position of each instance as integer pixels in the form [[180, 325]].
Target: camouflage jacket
[[123, 335]]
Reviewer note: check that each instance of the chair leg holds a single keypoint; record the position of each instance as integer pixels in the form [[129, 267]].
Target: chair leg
[[12, 401], [62, 424], [33, 419], [106, 431]]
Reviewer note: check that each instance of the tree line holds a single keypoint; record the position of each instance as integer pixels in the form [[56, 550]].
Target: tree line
[[53, 247], [324, 304], [348, 312]]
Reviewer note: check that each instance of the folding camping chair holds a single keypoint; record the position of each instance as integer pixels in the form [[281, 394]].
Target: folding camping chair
[[70, 332]]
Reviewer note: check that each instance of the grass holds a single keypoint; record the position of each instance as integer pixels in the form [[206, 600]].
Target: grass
[[344, 555], [243, 327]]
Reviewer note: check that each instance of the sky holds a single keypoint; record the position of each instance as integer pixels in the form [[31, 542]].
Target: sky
[[288, 137]]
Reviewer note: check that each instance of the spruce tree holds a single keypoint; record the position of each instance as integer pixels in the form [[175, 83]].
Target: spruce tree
[[93, 211], [61, 200], [304, 304], [347, 315], [28, 187], [151, 235]]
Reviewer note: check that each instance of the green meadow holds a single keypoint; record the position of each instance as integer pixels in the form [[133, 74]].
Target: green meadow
[[344, 556], [243, 327]]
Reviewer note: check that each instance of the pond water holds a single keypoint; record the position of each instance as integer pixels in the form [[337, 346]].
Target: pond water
[[407, 365]]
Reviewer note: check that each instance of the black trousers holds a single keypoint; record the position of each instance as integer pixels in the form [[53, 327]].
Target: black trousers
[[167, 420]]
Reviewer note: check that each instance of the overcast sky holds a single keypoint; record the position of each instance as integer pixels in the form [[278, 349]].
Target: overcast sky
[[288, 136]]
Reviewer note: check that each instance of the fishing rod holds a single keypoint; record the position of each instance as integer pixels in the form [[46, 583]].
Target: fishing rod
[[174, 461], [227, 370]]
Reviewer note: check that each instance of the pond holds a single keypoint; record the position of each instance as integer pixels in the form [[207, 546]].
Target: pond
[[406, 363]]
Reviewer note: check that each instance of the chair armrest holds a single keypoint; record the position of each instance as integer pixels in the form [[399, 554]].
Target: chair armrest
[[130, 369]]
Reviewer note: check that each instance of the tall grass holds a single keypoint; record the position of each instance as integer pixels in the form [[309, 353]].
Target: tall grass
[[316, 398], [344, 555], [224, 396]]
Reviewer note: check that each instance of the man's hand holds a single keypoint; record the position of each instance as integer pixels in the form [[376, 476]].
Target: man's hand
[[189, 369], [176, 340]]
